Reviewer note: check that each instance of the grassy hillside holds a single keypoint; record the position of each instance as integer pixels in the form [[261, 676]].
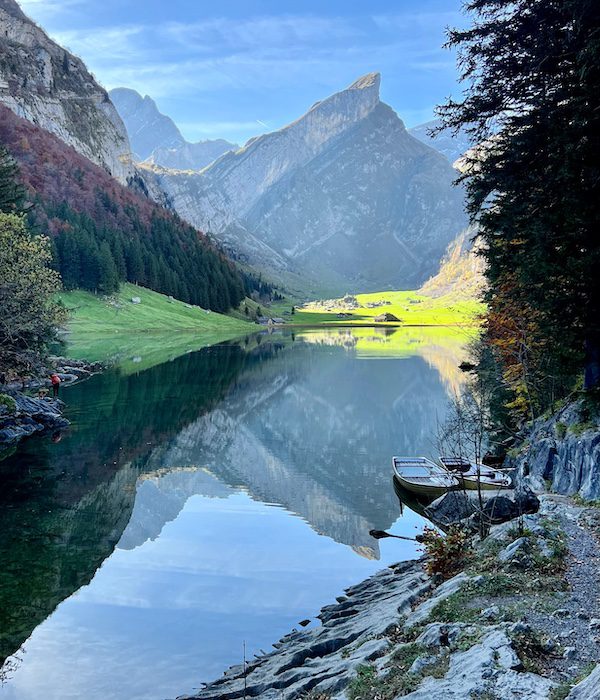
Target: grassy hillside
[[411, 308], [141, 334]]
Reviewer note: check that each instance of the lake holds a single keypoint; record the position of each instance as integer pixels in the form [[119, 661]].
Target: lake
[[208, 504]]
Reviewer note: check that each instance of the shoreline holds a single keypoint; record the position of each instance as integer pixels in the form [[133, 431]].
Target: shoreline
[[399, 633]]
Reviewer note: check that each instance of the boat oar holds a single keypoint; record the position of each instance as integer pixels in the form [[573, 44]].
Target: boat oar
[[380, 534]]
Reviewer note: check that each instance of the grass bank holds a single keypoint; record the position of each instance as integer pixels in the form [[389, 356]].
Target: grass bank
[[410, 307], [153, 330]]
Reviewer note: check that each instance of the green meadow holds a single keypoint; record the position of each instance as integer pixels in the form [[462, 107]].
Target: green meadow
[[159, 328], [144, 334]]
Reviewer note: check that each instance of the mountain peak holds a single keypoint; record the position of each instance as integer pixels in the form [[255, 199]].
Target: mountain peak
[[370, 80]]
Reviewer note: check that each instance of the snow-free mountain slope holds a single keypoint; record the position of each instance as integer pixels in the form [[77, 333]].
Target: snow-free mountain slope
[[344, 197], [47, 85], [453, 146], [155, 137]]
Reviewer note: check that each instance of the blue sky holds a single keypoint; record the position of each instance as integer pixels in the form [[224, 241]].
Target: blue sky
[[238, 68]]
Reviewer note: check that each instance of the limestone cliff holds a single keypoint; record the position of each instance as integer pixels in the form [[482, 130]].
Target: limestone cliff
[[343, 197], [47, 85], [462, 270], [562, 452]]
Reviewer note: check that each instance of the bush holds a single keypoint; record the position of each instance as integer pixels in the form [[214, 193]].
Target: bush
[[561, 430], [9, 402], [446, 555]]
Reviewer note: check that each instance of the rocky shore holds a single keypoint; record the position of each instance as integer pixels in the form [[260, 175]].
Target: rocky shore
[[22, 416], [522, 620]]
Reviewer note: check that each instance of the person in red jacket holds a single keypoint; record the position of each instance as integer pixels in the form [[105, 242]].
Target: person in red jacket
[[55, 379]]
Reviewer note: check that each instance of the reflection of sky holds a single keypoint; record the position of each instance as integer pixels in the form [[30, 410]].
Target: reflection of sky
[[157, 620]]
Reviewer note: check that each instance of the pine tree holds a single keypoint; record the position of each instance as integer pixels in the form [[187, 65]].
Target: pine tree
[[12, 192], [108, 278], [532, 69]]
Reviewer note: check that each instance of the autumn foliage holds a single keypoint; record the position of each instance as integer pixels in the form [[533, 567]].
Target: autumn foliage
[[532, 75], [103, 232]]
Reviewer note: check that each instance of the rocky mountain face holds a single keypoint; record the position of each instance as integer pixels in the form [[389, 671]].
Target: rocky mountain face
[[451, 145], [561, 453], [343, 198], [155, 137], [462, 270], [45, 84]]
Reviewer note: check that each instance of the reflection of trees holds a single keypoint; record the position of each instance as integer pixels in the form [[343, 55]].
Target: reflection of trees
[[64, 506], [309, 427]]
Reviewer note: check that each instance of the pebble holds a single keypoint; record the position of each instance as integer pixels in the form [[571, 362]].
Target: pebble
[[561, 612], [490, 613], [569, 653]]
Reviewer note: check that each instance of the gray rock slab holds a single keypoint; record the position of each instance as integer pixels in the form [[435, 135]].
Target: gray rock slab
[[489, 665], [421, 612], [588, 689], [326, 658]]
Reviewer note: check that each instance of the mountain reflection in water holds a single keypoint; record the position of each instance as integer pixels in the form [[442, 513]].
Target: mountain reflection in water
[[191, 470]]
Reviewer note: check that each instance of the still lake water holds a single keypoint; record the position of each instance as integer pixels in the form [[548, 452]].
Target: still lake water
[[216, 499]]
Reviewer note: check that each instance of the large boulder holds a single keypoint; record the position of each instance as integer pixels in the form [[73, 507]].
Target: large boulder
[[450, 508], [526, 501], [499, 509]]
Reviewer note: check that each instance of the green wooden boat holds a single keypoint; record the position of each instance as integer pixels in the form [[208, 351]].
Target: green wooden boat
[[423, 477]]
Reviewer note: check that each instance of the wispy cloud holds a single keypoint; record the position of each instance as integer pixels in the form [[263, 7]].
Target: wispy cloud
[[231, 72], [108, 44], [285, 31], [45, 9]]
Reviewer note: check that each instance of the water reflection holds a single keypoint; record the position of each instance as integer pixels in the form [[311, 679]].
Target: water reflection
[[194, 468]]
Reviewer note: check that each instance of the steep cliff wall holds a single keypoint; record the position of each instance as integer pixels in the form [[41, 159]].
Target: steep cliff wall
[[563, 452], [45, 84]]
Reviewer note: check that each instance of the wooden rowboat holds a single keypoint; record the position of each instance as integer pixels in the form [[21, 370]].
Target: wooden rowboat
[[473, 476], [422, 477]]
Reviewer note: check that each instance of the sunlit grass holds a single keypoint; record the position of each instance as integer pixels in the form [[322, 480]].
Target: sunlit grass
[[411, 308], [140, 335]]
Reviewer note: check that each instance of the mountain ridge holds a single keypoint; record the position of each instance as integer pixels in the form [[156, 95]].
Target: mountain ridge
[[156, 139], [453, 146], [342, 197], [50, 87]]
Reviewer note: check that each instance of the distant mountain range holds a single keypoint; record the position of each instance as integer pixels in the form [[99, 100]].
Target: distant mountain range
[[343, 198], [155, 138]]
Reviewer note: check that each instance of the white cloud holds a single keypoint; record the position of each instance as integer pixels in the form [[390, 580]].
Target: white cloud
[[107, 44], [269, 31]]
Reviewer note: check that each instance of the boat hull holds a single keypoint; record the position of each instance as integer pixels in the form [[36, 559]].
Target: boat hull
[[426, 490]]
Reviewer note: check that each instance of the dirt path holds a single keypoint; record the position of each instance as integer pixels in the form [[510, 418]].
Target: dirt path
[[574, 623]]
